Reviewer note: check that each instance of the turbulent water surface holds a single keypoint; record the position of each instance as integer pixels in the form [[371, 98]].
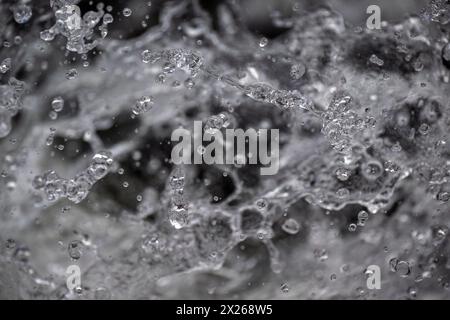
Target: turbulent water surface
[[91, 92]]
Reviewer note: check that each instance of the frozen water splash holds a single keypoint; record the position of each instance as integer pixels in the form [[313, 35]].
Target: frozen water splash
[[363, 119]]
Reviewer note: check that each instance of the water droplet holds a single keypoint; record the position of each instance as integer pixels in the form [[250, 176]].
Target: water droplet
[[71, 74], [321, 254], [342, 174], [401, 267], [53, 115], [22, 13], [342, 193], [127, 12], [446, 52], [396, 147], [5, 66], [178, 216], [262, 204], [142, 105], [10, 244], [78, 290], [22, 254], [102, 293], [424, 129], [47, 35], [189, 83], [284, 288], [263, 42], [5, 124], [417, 65], [149, 56], [297, 71], [161, 78], [375, 60], [58, 104], [291, 226], [108, 18], [363, 216], [201, 149], [75, 249], [412, 292]]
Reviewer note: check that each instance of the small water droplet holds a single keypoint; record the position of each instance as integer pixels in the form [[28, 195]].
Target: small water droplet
[[342, 174], [291, 226], [375, 60], [297, 71], [127, 12], [5, 66], [284, 288], [263, 42], [71, 74], [142, 105], [10, 244], [58, 104], [22, 13]]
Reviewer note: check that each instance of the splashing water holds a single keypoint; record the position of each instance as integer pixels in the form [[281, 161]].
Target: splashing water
[[89, 97]]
